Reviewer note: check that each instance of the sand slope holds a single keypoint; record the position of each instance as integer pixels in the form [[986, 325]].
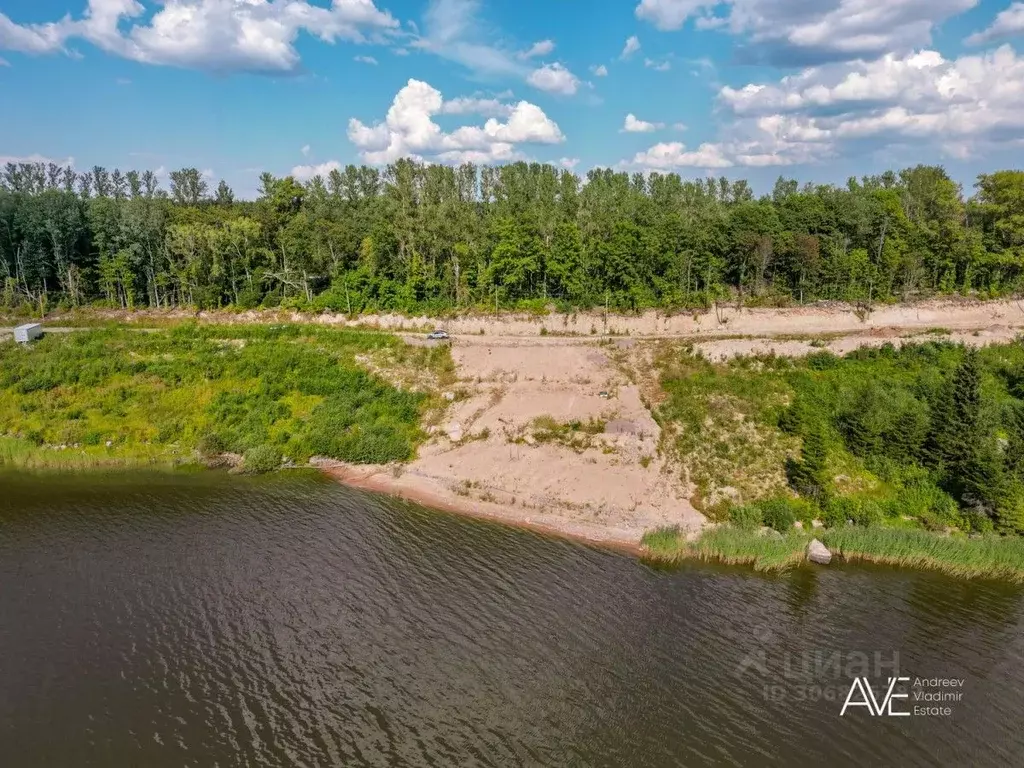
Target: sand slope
[[486, 457]]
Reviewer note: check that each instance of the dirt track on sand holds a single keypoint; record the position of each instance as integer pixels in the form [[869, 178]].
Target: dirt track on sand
[[955, 315]]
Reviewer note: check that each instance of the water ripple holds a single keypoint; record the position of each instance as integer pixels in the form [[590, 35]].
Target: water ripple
[[206, 620]]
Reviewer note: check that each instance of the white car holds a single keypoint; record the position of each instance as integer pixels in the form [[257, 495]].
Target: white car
[[438, 335]]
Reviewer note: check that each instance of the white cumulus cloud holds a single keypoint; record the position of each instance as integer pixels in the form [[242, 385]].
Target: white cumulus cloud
[[635, 125], [671, 155], [465, 105], [963, 107], [671, 14], [922, 94], [408, 130], [795, 32], [307, 172], [366, 60], [218, 35], [600, 70], [554, 78], [632, 46], [1007, 23]]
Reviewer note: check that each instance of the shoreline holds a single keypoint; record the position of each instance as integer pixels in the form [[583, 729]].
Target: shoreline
[[771, 552], [557, 434], [378, 480], [718, 544]]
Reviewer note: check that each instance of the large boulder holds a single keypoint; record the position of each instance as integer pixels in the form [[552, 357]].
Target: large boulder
[[818, 553]]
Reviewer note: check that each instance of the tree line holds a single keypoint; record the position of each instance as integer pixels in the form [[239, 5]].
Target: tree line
[[418, 237]]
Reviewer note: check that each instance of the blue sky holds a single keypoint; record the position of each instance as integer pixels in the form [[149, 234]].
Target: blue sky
[[811, 89]]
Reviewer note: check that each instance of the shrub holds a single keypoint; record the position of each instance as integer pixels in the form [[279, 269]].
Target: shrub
[[210, 444], [747, 516], [262, 458], [978, 522], [867, 512], [836, 511], [778, 514]]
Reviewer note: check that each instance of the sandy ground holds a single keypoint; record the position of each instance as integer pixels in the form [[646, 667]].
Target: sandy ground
[[602, 482], [724, 349], [955, 315], [819, 319]]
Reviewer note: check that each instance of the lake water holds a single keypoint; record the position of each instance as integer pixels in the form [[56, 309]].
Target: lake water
[[200, 620]]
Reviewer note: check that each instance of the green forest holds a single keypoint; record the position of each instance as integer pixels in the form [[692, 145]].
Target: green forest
[[428, 238]]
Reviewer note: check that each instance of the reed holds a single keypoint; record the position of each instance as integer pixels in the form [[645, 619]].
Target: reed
[[22, 454], [764, 551], [999, 557]]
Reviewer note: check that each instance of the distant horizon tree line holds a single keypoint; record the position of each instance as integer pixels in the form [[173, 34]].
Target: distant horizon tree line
[[417, 237]]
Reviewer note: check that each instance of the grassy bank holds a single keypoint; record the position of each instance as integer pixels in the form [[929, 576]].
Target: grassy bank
[[119, 397], [999, 557], [933, 432]]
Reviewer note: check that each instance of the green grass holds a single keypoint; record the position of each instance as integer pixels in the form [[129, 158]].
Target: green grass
[[16, 452], [1000, 557], [717, 420], [117, 397], [764, 551]]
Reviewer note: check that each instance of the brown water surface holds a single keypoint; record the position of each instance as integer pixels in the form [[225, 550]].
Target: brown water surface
[[200, 620]]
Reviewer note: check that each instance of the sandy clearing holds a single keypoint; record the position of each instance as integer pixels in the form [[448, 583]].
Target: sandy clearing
[[491, 457]]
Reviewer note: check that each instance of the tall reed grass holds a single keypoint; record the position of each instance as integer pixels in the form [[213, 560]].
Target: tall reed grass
[[999, 557]]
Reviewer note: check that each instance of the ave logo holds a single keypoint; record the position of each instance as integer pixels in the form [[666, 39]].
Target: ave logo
[[862, 695]]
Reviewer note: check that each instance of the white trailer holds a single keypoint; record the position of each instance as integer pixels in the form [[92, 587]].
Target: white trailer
[[23, 334]]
